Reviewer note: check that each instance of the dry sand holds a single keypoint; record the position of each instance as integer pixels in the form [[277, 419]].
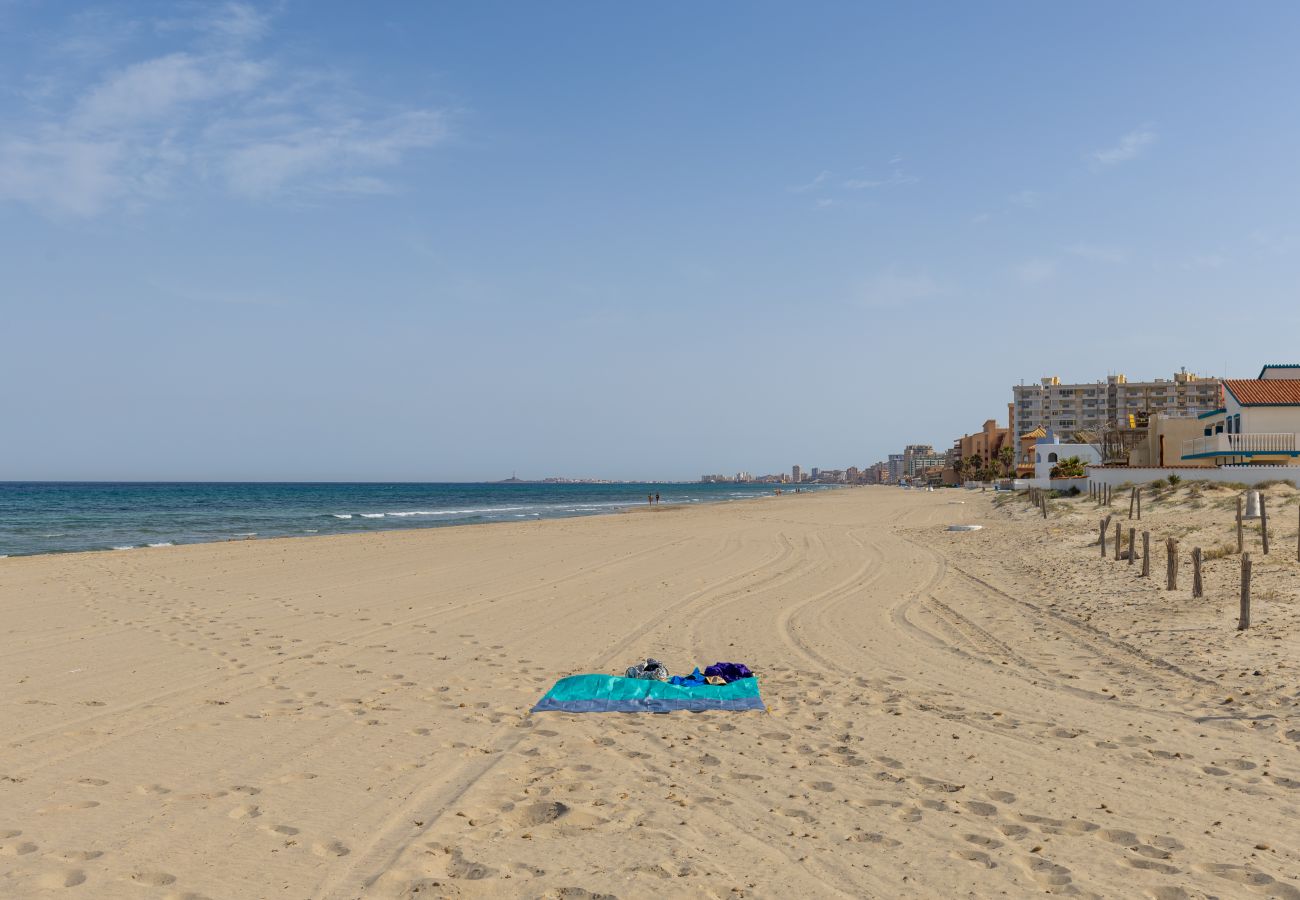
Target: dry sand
[[990, 713]]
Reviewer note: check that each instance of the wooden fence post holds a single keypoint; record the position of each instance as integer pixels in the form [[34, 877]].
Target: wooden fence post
[[1198, 589], [1132, 545], [1263, 520], [1146, 554], [1241, 545], [1043, 503], [1139, 494], [1243, 621], [1171, 564], [1119, 540], [1132, 498], [1103, 539]]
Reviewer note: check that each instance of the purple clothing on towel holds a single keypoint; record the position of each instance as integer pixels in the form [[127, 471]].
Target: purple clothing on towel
[[729, 671]]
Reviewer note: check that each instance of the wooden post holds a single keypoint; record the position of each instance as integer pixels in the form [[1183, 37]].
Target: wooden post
[[1171, 564], [1102, 541], [1146, 554], [1241, 545], [1132, 498], [1243, 621], [1139, 496], [1198, 589], [1263, 521], [1043, 504], [1132, 545], [1119, 540]]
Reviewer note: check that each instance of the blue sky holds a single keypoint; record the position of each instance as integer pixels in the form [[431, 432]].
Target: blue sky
[[448, 241]]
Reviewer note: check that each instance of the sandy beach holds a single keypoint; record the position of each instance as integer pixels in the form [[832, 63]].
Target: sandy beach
[[994, 713]]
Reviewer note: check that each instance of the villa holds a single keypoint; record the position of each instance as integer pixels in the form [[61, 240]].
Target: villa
[[1256, 425]]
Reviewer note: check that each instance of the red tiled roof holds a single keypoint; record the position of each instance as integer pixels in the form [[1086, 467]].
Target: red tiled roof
[[1266, 392]]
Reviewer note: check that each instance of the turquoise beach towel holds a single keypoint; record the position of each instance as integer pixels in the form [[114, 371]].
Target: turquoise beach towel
[[613, 693]]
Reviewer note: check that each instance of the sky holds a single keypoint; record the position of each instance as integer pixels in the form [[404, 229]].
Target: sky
[[451, 241]]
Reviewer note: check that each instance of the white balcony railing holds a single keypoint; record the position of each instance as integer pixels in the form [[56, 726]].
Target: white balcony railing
[[1233, 444]]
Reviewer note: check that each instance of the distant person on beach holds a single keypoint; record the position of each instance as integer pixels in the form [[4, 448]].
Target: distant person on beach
[[656, 497], [650, 499]]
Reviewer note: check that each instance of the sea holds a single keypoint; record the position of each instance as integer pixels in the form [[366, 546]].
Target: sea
[[64, 517]]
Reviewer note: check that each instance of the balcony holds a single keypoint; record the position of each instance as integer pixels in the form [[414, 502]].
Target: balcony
[[1239, 444]]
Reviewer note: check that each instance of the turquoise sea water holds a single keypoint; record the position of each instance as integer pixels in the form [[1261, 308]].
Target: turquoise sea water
[[53, 517]]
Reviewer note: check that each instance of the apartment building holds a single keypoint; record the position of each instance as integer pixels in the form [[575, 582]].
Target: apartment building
[[1066, 408]]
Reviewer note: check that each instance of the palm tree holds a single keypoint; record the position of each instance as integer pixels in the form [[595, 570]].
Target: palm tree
[[1007, 457]]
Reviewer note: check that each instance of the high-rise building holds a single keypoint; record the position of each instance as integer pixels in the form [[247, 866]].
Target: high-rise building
[[796, 474], [896, 468], [1066, 408]]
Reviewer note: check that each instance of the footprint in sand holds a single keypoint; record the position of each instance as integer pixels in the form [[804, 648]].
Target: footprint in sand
[[1045, 872], [62, 878], [1151, 865], [330, 848], [979, 808], [152, 878], [17, 848], [978, 857], [983, 840], [70, 807], [92, 782], [245, 811], [874, 837], [1249, 877]]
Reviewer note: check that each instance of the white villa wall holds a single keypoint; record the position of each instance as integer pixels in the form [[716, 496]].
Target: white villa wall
[[1270, 419], [1117, 475], [1043, 466]]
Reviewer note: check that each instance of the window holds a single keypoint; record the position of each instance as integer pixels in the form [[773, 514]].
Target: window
[[1038, 457], [1051, 457]]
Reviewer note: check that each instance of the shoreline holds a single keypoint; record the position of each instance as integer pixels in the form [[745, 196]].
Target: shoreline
[[400, 521]]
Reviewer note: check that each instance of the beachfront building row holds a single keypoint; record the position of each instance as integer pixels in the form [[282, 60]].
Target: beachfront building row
[[1091, 406]]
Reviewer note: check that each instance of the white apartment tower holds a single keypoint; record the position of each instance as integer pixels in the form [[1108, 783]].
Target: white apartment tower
[[1065, 408]]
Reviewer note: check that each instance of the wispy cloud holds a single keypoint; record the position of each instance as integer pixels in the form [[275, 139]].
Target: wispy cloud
[[893, 289], [212, 109], [1026, 199], [1130, 146], [1097, 253], [817, 182], [1035, 271], [827, 181]]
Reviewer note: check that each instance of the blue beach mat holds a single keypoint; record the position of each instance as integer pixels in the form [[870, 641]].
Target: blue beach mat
[[613, 693]]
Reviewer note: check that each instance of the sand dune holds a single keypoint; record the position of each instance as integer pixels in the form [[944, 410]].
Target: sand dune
[[987, 713]]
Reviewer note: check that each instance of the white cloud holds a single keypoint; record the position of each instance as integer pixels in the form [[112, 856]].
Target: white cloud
[[1097, 253], [263, 167], [895, 177], [1130, 146], [141, 128], [63, 176], [1026, 199], [1035, 271], [891, 290], [811, 185], [162, 87]]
